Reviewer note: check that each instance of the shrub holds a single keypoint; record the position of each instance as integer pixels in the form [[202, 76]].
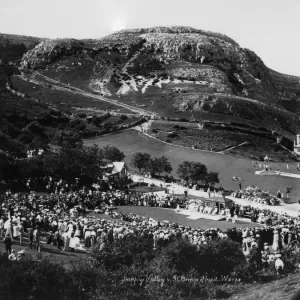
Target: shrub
[[172, 135], [179, 256], [123, 118], [36, 280], [81, 115], [220, 257], [244, 273], [215, 259], [35, 128], [25, 137], [132, 250], [80, 126]]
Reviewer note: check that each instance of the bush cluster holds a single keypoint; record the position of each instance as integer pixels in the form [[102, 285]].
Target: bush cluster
[[134, 269]]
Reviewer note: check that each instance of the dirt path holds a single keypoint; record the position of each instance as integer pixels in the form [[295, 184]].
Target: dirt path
[[64, 87], [233, 147]]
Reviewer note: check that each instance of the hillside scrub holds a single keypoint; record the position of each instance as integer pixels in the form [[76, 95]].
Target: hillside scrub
[[132, 268]]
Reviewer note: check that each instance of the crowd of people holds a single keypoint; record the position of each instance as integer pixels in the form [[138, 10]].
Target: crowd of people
[[255, 194], [61, 219]]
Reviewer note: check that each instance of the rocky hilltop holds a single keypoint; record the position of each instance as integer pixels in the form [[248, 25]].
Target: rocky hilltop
[[174, 71], [12, 46]]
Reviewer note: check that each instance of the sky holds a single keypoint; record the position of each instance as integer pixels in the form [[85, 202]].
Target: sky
[[270, 28]]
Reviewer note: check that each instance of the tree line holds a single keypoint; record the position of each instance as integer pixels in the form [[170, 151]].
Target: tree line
[[188, 171], [74, 160]]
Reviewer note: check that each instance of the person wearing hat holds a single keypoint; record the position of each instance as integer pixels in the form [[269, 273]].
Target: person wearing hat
[[93, 236], [36, 239], [21, 232], [12, 256], [279, 265], [8, 227], [66, 238], [21, 255], [275, 245], [8, 242], [1, 227], [265, 254], [255, 256], [87, 238]]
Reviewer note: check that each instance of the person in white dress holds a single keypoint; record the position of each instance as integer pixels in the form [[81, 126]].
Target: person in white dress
[[275, 245], [74, 242], [279, 265]]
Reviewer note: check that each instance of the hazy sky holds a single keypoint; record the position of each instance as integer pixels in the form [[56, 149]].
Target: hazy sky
[[268, 27]]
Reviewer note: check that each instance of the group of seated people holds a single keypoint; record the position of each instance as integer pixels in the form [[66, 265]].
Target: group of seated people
[[205, 209], [256, 195]]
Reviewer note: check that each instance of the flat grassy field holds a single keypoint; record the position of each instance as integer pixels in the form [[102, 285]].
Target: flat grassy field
[[131, 141], [145, 189], [161, 214]]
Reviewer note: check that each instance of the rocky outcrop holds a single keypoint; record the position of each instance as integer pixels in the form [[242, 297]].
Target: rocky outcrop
[[196, 69]]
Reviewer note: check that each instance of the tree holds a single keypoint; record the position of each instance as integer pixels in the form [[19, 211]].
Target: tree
[[112, 153], [71, 162], [166, 165], [32, 168], [154, 166], [141, 161], [72, 138], [192, 171], [160, 165], [9, 170], [212, 178]]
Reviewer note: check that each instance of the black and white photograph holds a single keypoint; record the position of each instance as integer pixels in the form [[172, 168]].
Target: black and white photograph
[[149, 150]]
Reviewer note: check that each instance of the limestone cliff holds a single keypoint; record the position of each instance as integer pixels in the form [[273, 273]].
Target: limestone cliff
[[186, 68]]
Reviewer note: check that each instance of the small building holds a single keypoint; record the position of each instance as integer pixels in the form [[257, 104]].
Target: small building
[[115, 170], [297, 144]]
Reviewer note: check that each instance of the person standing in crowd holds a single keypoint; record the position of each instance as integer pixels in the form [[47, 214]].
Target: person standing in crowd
[[15, 231], [66, 237], [21, 232], [2, 227], [8, 243], [36, 239], [30, 235]]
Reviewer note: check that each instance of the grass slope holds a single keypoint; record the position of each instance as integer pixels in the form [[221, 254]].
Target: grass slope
[[64, 100]]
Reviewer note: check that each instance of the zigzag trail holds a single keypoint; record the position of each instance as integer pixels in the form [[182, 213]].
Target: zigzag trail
[[65, 87]]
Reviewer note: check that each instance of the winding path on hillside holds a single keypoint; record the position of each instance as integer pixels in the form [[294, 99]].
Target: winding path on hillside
[[66, 87]]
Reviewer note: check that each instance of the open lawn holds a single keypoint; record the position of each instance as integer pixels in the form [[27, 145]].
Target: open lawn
[[62, 257], [145, 189], [170, 215], [131, 141]]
